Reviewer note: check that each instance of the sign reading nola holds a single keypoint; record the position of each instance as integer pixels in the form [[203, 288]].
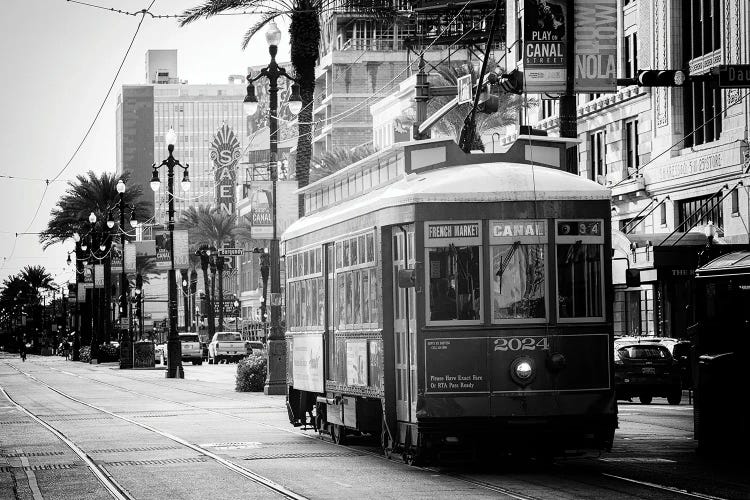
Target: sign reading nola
[[225, 153]]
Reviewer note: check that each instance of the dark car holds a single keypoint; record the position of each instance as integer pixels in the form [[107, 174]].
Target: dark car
[[646, 369]]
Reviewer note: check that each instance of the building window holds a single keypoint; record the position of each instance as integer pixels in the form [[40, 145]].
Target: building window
[[632, 225], [735, 202], [631, 55], [548, 108], [701, 210], [702, 103], [598, 147], [631, 146], [663, 214]]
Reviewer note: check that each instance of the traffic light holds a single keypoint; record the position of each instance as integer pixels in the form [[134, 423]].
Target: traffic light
[[661, 78], [512, 82]]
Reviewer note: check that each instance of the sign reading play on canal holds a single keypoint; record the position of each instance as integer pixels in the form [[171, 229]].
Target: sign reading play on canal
[[734, 76]]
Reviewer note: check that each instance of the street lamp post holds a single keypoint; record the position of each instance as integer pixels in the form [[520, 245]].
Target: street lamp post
[[276, 381], [126, 347], [174, 365]]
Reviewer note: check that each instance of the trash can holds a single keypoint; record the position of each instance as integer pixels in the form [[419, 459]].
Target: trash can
[[717, 411], [143, 354]]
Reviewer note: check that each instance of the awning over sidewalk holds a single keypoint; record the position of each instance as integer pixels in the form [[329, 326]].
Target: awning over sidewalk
[[731, 264]]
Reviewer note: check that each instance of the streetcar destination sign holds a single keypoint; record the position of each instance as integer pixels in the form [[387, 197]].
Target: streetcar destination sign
[[734, 76], [454, 230]]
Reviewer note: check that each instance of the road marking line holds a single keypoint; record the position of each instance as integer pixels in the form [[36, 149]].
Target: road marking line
[[665, 488]]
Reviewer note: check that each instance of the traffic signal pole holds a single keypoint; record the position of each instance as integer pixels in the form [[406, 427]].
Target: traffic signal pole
[[568, 106]]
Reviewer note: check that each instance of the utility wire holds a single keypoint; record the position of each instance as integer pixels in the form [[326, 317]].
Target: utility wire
[[98, 113]]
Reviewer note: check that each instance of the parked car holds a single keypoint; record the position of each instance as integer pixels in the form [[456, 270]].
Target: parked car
[[645, 368], [255, 347], [226, 346], [191, 349]]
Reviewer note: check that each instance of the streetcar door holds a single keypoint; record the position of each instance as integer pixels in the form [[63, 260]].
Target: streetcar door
[[404, 327]]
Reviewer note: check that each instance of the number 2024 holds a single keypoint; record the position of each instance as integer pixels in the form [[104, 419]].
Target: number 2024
[[521, 344]]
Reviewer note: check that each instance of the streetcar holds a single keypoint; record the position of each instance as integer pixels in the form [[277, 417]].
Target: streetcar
[[453, 303]]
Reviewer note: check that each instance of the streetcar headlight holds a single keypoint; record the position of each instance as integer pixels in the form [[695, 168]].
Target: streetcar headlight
[[523, 370]]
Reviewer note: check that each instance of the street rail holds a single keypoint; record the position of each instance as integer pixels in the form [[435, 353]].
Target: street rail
[[512, 493], [114, 489]]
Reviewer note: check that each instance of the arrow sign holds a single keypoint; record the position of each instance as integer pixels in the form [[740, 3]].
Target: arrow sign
[[734, 76], [231, 251]]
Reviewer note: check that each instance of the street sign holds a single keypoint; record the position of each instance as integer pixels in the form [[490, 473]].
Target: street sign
[[231, 251], [734, 76], [464, 89]]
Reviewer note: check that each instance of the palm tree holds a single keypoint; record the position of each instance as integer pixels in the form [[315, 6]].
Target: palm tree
[[36, 279], [212, 228], [328, 162], [304, 40], [86, 194], [452, 123]]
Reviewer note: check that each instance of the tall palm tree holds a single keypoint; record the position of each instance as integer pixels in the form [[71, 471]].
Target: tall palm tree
[[84, 195], [212, 228], [304, 40], [452, 123], [36, 280], [328, 162]]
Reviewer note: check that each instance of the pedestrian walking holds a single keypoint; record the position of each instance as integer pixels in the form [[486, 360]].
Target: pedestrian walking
[[23, 352], [66, 350]]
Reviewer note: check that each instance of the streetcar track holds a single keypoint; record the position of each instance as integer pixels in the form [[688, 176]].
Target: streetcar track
[[490, 486], [112, 487], [109, 482]]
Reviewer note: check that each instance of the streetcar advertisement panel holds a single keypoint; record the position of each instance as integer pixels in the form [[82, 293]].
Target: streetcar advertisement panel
[[485, 365], [307, 368]]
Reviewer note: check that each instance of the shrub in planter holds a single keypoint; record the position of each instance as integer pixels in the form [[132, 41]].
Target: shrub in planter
[[85, 354], [108, 352], [251, 373]]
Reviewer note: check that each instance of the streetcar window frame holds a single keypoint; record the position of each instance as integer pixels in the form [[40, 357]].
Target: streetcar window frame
[[459, 242], [304, 281], [355, 255], [584, 240], [539, 235]]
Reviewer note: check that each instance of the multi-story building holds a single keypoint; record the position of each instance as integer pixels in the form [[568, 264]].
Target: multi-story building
[[673, 156], [146, 112]]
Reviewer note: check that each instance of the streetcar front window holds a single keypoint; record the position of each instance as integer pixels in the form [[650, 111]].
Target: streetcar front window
[[518, 281], [455, 283], [580, 270]]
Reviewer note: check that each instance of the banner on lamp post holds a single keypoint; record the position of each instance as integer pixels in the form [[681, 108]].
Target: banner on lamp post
[[129, 256], [99, 276], [261, 201], [164, 249], [595, 38], [116, 258], [544, 46]]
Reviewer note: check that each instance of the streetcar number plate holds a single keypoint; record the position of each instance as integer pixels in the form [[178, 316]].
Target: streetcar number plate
[[521, 344], [649, 370]]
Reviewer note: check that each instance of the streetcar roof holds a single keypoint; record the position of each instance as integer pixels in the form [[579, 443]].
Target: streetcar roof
[[474, 183]]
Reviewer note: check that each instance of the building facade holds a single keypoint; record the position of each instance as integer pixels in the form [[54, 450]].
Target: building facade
[[675, 158]]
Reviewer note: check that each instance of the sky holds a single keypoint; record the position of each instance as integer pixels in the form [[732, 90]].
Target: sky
[[59, 58]]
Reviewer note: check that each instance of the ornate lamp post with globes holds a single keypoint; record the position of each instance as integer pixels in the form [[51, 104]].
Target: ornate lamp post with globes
[[174, 355], [276, 381]]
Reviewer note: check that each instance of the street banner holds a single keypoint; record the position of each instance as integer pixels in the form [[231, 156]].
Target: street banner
[[595, 35], [145, 248], [545, 45], [88, 276], [307, 363], [261, 200], [163, 249], [116, 258], [81, 294], [99, 276], [225, 153], [130, 253]]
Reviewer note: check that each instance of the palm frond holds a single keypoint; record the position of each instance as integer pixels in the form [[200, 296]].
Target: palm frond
[[211, 8]]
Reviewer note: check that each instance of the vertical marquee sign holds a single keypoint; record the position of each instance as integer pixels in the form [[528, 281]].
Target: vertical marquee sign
[[595, 38], [225, 153]]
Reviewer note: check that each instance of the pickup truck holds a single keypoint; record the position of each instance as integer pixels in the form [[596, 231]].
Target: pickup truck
[[191, 349], [227, 346]]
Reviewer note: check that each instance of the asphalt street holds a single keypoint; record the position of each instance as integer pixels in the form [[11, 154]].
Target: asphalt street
[[70, 430]]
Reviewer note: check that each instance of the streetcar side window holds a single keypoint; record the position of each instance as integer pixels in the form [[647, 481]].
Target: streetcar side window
[[518, 251], [454, 271], [580, 281]]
